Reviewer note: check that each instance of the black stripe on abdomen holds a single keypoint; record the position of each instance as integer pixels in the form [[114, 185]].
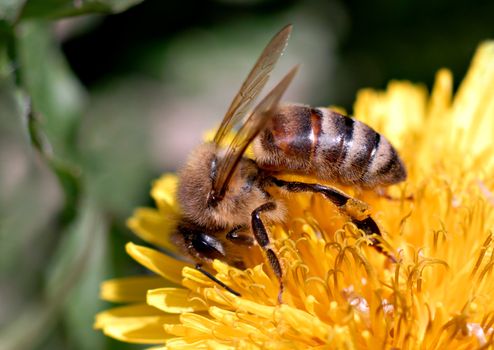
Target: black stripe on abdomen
[[347, 139], [369, 144], [335, 137], [391, 161]]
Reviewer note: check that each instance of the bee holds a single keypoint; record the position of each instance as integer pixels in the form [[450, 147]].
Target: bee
[[227, 199]]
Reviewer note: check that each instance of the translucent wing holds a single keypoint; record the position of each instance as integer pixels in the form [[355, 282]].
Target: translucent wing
[[254, 83], [247, 132]]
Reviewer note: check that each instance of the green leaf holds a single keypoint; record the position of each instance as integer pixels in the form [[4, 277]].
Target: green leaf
[[10, 9], [6, 43], [115, 152], [57, 100], [57, 97], [20, 192], [72, 280], [80, 264], [64, 8]]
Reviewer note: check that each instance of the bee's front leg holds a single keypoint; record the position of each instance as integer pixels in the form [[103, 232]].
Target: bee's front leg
[[199, 268], [262, 238]]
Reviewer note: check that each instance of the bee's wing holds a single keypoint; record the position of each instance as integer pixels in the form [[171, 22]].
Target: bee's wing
[[254, 83], [247, 132]]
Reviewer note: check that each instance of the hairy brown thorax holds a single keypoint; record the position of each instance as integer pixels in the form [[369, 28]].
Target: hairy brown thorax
[[245, 191]]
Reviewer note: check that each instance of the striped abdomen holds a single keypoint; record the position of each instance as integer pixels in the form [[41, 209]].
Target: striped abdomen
[[329, 146]]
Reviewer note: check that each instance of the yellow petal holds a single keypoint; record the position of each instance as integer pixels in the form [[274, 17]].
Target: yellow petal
[[138, 323], [163, 265], [395, 112], [240, 324], [198, 322], [141, 332], [254, 308], [163, 191], [175, 300], [303, 322], [183, 344], [130, 289], [129, 313], [473, 107], [154, 227], [441, 95], [191, 274], [180, 331]]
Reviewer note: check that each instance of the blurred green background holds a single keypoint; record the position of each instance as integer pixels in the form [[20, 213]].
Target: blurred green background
[[99, 97]]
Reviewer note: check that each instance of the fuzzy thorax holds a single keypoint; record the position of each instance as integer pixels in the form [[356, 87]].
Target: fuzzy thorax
[[244, 193]]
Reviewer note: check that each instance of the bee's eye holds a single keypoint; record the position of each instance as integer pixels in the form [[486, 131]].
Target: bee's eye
[[208, 246]]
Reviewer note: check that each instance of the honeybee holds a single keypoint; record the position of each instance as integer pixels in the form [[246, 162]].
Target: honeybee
[[226, 198]]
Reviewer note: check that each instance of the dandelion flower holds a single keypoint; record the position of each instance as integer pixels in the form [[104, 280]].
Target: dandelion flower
[[340, 293]]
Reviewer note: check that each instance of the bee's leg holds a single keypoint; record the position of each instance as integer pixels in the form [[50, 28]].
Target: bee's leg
[[199, 268], [235, 236], [262, 239], [357, 210]]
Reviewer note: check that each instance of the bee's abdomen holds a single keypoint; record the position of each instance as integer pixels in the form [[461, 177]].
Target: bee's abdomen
[[355, 152], [330, 146]]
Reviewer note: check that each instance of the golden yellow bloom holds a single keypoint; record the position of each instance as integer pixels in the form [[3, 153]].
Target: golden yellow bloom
[[339, 292]]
